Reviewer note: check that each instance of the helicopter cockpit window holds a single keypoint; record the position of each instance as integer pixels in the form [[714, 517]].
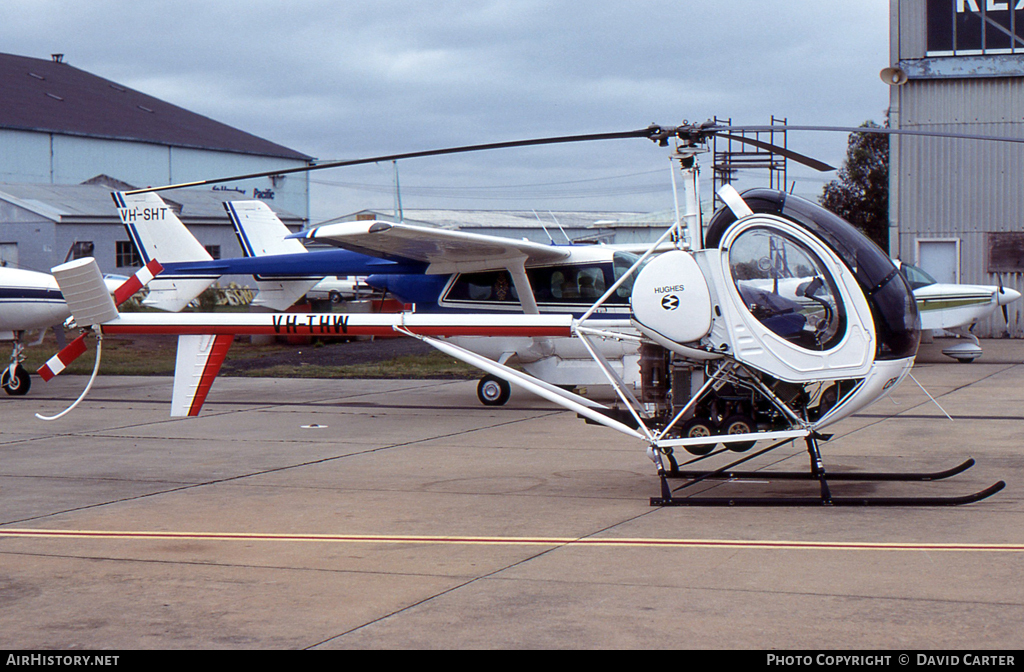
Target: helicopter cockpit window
[[786, 288]]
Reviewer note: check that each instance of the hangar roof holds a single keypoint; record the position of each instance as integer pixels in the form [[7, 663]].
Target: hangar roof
[[91, 203], [53, 97]]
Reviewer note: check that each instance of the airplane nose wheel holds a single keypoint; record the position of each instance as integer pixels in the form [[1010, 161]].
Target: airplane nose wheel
[[16, 384], [493, 391]]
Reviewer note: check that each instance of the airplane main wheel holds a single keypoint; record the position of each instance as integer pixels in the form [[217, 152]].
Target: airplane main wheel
[[493, 391], [739, 424], [698, 428], [18, 384]]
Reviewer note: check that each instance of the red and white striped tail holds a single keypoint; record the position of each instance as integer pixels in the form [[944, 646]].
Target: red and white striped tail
[[133, 284], [62, 359], [82, 285]]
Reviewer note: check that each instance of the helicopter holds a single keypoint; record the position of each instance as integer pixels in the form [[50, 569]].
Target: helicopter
[[777, 322]]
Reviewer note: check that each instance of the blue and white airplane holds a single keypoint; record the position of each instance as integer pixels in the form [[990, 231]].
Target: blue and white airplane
[[437, 270]]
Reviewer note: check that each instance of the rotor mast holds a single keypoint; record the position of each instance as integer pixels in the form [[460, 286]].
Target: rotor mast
[[689, 231]]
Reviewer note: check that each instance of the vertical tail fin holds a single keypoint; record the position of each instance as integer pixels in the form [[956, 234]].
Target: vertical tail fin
[[197, 365], [158, 233], [261, 233]]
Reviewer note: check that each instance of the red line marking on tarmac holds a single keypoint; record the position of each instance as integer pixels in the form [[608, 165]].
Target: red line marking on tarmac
[[513, 541]]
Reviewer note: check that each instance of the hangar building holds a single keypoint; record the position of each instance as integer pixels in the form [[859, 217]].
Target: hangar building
[[62, 126], [956, 205]]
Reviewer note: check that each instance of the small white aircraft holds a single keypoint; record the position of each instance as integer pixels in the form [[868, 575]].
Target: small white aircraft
[[32, 302], [29, 302], [956, 308], [727, 356]]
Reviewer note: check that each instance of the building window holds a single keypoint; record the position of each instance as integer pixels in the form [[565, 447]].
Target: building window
[[80, 249], [125, 254], [214, 251], [973, 27]]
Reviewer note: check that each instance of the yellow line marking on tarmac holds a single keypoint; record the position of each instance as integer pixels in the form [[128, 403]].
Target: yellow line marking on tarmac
[[513, 541]]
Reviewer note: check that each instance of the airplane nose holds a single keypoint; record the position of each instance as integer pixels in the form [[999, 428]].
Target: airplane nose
[[1006, 295]]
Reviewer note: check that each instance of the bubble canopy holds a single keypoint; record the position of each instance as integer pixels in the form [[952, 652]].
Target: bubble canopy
[[893, 308]]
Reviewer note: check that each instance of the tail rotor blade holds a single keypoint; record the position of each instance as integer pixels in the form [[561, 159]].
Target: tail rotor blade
[[133, 284], [62, 359]]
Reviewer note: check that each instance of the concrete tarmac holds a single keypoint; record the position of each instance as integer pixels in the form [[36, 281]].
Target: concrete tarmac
[[350, 514]]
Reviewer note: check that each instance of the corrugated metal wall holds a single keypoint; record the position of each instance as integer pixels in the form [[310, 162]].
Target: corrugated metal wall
[[958, 189]]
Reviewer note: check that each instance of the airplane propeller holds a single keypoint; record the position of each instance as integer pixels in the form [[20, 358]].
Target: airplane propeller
[[1004, 304]]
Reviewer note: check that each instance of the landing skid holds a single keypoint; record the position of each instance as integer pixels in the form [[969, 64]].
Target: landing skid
[[816, 473]]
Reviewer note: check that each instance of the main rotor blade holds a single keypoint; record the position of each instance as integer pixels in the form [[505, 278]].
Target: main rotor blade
[[868, 129], [782, 151], [649, 132]]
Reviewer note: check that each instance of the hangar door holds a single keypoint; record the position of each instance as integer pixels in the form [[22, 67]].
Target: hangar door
[[940, 259]]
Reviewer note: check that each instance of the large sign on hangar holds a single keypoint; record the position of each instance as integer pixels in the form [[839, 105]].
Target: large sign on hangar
[[974, 27]]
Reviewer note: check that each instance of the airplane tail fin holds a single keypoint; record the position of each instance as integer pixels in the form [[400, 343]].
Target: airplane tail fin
[[158, 233], [261, 233]]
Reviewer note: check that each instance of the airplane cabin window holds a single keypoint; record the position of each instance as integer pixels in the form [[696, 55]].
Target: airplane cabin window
[[489, 287], [622, 262], [787, 289], [915, 277], [579, 285]]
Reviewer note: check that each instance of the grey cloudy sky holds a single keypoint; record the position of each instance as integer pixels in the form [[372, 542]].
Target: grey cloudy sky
[[358, 78]]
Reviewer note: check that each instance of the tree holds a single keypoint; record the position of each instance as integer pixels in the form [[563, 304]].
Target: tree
[[861, 194]]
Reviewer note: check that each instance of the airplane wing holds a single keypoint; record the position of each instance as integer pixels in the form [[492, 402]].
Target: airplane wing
[[444, 250]]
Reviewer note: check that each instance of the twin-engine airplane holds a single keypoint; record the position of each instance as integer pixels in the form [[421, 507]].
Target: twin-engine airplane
[[781, 321]]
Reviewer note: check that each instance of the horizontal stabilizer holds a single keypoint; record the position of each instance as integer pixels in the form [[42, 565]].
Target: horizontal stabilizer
[[281, 294], [175, 293], [197, 364]]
